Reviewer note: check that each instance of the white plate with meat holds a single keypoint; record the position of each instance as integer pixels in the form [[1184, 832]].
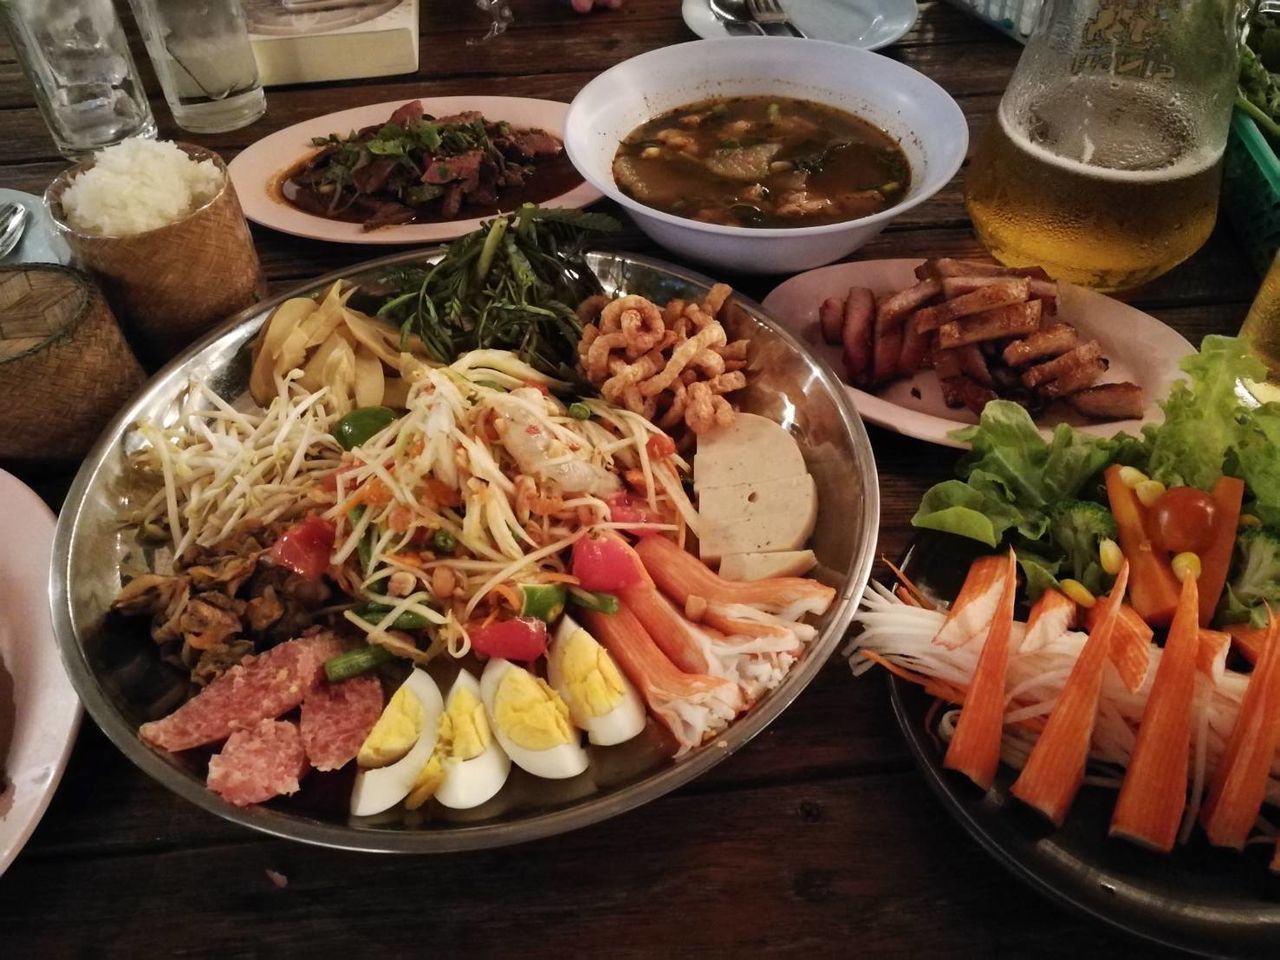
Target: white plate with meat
[[39, 711], [264, 175], [1125, 359]]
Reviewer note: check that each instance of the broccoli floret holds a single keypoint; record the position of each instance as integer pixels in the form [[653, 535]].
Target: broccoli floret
[[1077, 526], [1257, 576]]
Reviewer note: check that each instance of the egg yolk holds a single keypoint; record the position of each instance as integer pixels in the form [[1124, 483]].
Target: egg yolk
[[530, 712], [464, 729], [590, 674], [395, 733], [426, 783]]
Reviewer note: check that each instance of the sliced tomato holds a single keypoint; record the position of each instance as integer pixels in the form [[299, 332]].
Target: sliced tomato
[[660, 446], [305, 547], [623, 508], [604, 563], [522, 638]]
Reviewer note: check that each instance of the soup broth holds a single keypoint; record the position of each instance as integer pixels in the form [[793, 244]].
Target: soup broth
[[762, 162]]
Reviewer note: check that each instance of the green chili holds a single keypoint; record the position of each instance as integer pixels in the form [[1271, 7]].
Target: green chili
[[361, 424]]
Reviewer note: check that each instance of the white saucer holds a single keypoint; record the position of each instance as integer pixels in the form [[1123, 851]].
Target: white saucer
[[868, 24]]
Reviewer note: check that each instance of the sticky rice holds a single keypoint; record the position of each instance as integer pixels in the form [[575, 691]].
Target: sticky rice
[[138, 185]]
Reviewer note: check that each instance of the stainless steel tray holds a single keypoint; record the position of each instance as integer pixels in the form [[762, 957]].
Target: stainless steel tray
[[118, 674]]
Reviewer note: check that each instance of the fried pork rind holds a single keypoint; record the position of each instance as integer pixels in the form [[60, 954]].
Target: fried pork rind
[[671, 364]]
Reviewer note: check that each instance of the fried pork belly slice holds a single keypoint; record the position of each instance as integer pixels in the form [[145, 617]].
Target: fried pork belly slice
[[973, 394], [1000, 294], [1045, 343], [1109, 401], [1013, 320], [955, 286], [897, 305], [948, 267], [1083, 355], [974, 365], [831, 319], [858, 335], [1073, 380]]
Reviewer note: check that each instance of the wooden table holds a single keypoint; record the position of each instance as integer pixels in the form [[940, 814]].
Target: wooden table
[[819, 838]]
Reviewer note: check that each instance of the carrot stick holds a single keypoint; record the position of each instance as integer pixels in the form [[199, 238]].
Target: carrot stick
[[1248, 639], [905, 581], [976, 603], [1130, 644], [932, 686], [1055, 769], [1240, 782], [975, 746], [1215, 560], [1153, 589], [1154, 792]]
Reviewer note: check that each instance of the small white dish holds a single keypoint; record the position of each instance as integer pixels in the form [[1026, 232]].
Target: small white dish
[[39, 710], [911, 108], [1140, 348], [256, 171], [865, 24], [40, 242]]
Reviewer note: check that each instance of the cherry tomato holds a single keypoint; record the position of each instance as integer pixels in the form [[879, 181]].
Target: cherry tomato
[[604, 563], [1183, 520], [660, 446], [305, 547], [523, 638]]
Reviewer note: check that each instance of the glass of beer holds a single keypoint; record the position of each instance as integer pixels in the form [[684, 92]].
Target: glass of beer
[[1104, 159], [1261, 331]]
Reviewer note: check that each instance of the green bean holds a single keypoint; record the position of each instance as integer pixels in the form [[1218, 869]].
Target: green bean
[[579, 410], [373, 612], [355, 662], [442, 541], [590, 600]]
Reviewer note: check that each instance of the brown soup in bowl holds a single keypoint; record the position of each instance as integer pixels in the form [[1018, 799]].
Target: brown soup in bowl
[[762, 162]]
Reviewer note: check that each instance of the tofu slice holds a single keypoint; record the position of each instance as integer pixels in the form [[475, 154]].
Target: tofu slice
[[757, 517], [761, 566], [753, 449]]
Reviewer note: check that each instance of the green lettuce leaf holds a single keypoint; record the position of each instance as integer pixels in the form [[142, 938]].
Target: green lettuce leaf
[[953, 506], [1258, 457], [1041, 572]]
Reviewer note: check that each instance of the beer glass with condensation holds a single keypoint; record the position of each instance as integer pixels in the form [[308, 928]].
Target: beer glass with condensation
[[1104, 160]]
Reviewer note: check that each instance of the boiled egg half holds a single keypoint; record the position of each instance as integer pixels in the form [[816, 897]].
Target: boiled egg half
[[399, 746], [531, 722], [473, 765], [601, 700]]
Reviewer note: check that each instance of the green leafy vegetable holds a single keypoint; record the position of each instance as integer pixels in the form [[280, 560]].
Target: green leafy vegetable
[[1257, 578], [514, 284], [1040, 572]]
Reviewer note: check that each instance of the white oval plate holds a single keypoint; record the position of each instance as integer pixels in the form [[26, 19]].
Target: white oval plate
[[1141, 349], [39, 711], [868, 24], [255, 170]]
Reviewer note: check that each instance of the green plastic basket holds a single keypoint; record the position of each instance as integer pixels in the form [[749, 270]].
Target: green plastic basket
[[1251, 190]]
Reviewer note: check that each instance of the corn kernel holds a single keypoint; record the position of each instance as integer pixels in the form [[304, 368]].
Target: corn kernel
[[1249, 520], [1186, 565], [1149, 491], [1111, 556], [1078, 593], [1131, 476]]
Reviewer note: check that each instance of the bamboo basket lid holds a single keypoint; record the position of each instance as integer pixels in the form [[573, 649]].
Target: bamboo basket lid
[[65, 368]]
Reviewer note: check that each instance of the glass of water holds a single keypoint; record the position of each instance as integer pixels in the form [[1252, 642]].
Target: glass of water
[[202, 55], [86, 85]]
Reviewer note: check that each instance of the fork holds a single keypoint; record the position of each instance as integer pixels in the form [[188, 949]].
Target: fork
[[769, 13]]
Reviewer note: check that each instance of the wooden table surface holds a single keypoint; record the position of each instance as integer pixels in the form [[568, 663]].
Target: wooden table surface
[[817, 838]]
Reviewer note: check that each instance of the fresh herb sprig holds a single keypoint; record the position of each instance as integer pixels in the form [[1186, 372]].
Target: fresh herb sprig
[[514, 284]]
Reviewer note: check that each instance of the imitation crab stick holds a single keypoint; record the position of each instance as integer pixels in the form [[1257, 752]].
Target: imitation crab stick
[[976, 603], [1240, 781], [1211, 653], [694, 707], [1130, 650], [1052, 615], [1055, 769], [1247, 639], [1215, 559], [1154, 792], [1153, 589], [680, 575], [975, 746]]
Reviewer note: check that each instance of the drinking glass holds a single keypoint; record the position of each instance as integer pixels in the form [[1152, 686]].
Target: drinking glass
[[1105, 157], [1261, 331], [203, 57], [75, 55]]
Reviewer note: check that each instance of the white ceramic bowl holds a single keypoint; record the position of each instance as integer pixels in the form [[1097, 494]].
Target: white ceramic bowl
[[906, 104]]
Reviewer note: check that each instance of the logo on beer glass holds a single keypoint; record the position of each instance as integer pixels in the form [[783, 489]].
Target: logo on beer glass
[[1120, 39]]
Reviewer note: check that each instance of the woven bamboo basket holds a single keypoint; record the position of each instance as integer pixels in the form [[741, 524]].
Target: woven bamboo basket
[[65, 368], [172, 284]]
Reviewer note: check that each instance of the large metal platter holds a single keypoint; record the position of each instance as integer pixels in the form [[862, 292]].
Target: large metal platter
[[1197, 898], [116, 670]]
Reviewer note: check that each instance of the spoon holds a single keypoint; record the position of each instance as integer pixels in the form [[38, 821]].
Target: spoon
[[736, 17], [13, 222]]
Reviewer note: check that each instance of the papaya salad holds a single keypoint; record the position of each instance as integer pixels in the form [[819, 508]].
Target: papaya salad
[[1148, 660], [432, 562]]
